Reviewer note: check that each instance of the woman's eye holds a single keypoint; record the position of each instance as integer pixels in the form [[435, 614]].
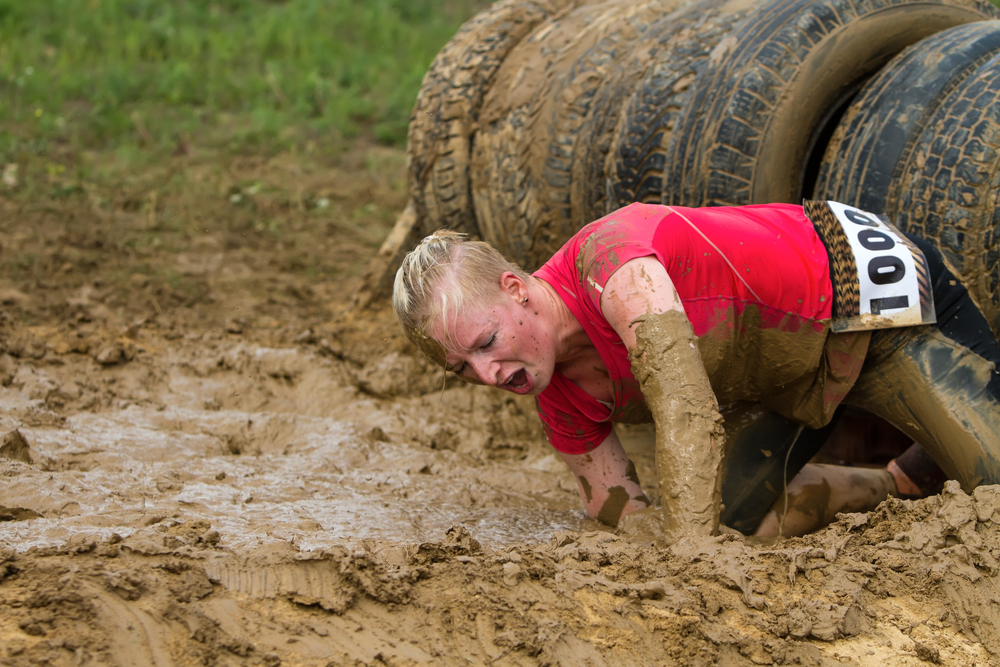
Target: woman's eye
[[458, 370], [490, 342]]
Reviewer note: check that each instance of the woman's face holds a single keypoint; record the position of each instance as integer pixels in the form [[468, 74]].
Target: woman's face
[[505, 344]]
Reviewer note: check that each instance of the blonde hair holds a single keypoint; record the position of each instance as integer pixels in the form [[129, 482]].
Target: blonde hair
[[444, 272]]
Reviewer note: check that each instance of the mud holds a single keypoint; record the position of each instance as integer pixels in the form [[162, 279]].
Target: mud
[[207, 458], [782, 374]]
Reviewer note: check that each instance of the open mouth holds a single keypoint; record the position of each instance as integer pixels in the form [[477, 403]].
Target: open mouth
[[518, 381]]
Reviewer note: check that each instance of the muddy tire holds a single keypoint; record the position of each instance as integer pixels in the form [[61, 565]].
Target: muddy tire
[[501, 197], [602, 126], [573, 94], [944, 182], [523, 154], [636, 163], [754, 129], [447, 108], [505, 146], [499, 171], [877, 132], [594, 136], [921, 143]]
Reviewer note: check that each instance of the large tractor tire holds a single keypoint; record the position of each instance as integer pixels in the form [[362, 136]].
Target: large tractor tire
[[447, 108], [523, 152], [755, 127], [570, 98], [922, 144], [500, 168], [635, 164]]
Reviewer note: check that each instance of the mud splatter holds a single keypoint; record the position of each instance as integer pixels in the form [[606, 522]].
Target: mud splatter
[[925, 411], [912, 579], [611, 510], [587, 490], [305, 492]]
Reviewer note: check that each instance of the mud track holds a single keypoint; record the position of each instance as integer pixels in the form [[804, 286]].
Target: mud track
[[208, 458]]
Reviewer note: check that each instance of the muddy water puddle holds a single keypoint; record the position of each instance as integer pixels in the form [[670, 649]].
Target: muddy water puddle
[[228, 503], [285, 474]]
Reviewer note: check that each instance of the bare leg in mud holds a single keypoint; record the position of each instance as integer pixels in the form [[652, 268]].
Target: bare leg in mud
[[819, 492]]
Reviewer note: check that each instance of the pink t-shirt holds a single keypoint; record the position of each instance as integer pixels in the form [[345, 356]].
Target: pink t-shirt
[[739, 271]]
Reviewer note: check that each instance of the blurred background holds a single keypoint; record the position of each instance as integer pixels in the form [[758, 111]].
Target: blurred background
[[132, 131]]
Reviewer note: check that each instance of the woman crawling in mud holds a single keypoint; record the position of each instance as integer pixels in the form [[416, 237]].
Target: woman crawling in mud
[[665, 313]]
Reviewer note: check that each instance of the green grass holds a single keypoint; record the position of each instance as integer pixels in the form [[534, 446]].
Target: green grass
[[245, 75]]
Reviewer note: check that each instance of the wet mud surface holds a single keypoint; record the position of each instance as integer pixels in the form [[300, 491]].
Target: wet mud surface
[[233, 468]]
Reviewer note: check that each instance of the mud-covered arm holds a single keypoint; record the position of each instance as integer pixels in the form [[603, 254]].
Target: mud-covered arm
[[608, 481], [640, 302]]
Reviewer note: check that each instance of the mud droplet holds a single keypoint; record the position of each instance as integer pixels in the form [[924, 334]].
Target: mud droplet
[[631, 474], [653, 590], [13, 446], [109, 354]]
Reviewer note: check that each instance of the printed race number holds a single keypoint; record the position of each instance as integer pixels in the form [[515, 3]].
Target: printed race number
[[894, 290]]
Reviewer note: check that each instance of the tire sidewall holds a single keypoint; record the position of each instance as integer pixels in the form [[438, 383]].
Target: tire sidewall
[[794, 103]]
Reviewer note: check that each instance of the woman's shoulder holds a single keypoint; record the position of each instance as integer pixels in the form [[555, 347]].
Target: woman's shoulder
[[589, 257]]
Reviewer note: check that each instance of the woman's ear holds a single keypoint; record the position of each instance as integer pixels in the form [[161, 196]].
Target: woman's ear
[[514, 286]]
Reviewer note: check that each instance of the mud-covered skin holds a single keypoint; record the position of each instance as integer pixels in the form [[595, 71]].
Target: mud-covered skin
[[633, 476], [819, 492], [608, 482], [610, 513], [611, 510], [689, 433], [937, 393]]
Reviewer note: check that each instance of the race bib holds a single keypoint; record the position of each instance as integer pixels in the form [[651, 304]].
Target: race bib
[[880, 278]]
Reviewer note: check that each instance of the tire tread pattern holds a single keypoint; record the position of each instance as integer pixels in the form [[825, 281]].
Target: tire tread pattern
[[447, 107], [715, 158], [921, 143]]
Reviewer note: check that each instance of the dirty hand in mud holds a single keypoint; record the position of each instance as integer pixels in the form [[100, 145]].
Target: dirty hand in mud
[[640, 302]]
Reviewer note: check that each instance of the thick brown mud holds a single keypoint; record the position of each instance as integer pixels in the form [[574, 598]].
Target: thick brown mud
[[233, 469], [689, 435]]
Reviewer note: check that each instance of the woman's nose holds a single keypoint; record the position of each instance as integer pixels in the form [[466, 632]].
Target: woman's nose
[[486, 370]]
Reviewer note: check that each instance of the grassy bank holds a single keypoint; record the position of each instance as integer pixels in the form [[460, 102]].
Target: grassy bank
[[143, 140], [246, 75]]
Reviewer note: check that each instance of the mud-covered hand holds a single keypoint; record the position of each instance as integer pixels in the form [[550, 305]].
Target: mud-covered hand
[[640, 302]]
